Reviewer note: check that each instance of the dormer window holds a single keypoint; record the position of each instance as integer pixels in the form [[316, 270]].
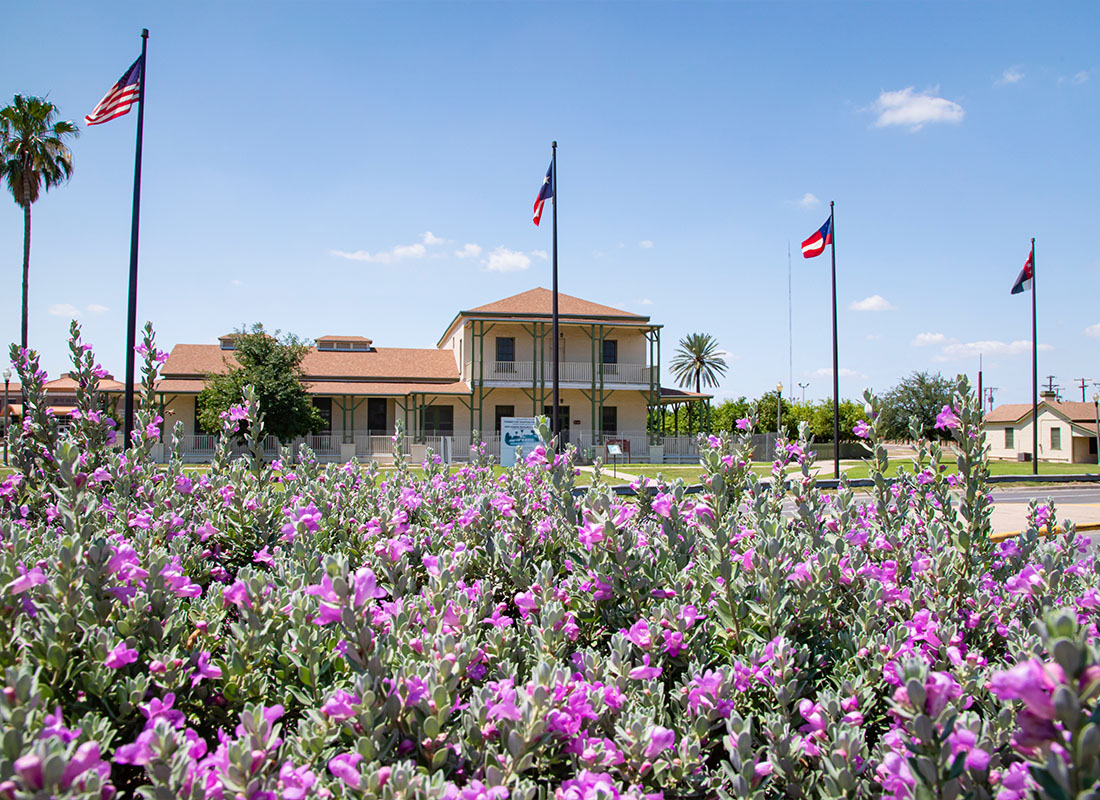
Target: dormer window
[[344, 344]]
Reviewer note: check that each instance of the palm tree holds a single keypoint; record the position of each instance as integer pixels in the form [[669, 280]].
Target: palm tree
[[698, 360], [33, 156]]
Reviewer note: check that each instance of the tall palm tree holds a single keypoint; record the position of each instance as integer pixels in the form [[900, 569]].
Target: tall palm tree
[[698, 360], [33, 156]]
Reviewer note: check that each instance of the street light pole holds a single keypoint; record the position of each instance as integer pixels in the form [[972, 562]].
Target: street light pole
[[803, 386], [779, 409], [7, 413]]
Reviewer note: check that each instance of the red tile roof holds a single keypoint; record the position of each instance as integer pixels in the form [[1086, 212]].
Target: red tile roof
[[540, 301], [1013, 412], [395, 363]]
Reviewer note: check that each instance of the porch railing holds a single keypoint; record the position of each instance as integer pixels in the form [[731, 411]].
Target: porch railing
[[527, 372]]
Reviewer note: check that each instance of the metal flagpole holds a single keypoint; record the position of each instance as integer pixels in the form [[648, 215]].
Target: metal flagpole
[[1034, 372], [131, 310], [790, 323], [981, 402], [555, 424], [836, 376]]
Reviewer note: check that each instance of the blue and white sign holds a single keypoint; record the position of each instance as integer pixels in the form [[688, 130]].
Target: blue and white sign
[[517, 432]]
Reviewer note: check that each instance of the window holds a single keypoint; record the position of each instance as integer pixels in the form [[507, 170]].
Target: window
[[501, 413], [610, 351], [1092, 446], [324, 406], [1010, 438], [439, 420], [609, 420], [199, 430], [506, 348], [1055, 438], [376, 416]]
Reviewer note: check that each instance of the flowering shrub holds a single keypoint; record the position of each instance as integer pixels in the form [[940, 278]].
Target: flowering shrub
[[293, 630]]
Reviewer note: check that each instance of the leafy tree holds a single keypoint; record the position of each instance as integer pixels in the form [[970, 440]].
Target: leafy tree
[[33, 157], [921, 395], [272, 365]]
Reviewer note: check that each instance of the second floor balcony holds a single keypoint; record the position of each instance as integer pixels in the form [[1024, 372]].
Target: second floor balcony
[[526, 373]]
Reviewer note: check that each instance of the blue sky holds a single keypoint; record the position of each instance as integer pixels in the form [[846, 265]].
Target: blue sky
[[320, 168]]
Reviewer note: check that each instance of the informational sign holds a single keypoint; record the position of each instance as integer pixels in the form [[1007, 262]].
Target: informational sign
[[614, 450], [517, 432]]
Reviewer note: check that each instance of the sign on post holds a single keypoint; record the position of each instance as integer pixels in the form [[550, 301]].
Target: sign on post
[[516, 432]]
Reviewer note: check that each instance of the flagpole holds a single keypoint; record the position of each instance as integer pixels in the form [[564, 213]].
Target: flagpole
[[131, 308], [1034, 371], [836, 375], [555, 424], [790, 322]]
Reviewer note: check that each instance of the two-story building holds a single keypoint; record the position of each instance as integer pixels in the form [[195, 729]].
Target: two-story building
[[491, 362]]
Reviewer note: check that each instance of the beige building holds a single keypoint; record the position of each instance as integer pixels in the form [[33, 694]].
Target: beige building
[[1067, 432], [491, 362]]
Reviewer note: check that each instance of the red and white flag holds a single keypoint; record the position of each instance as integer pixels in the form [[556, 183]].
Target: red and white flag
[[119, 99]]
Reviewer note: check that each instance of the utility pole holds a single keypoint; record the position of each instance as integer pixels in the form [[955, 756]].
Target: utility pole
[[989, 390], [1084, 382]]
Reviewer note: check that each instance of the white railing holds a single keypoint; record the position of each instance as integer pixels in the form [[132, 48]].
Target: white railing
[[527, 372], [372, 445]]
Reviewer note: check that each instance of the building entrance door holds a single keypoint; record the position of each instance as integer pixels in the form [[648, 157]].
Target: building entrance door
[[376, 416], [563, 416]]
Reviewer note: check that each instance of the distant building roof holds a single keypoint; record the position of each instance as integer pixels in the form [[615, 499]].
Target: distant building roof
[[1017, 412]]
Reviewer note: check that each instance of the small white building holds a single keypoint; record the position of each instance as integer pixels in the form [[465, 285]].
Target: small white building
[[1067, 432]]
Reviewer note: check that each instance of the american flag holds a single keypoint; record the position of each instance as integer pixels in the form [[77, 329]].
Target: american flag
[[119, 99]]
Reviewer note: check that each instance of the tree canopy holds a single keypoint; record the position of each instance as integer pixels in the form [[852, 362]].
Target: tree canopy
[[921, 395], [270, 363]]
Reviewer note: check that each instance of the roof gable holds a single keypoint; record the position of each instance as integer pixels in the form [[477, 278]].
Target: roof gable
[[540, 302]]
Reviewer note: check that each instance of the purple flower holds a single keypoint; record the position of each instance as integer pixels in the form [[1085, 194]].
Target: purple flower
[[639, 634], [236, 595], [237, 413], [339, 707], [660, 739], [203, 669], [294, 784], [27, 579], [743, 424], [1031, 682], [861, 429], [345, 767], [121, 656], [645, 672], [947, 419]]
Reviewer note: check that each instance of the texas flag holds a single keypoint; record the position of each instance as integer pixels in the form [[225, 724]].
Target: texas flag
[[546, 191], [1026, 276], [815, 245]]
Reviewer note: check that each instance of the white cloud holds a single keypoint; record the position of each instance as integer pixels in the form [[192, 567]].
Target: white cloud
[[648, 245], [401, 252], [844, 372], [645, 301], [1081, 77], [469, 250], [913, 110], [1093, 330], [540, 254], [929, 339], [809, 200], [873, 337], [504, 260], [63, 310], [960, 350], [96, 308], [1010, 76], [875, 302]]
